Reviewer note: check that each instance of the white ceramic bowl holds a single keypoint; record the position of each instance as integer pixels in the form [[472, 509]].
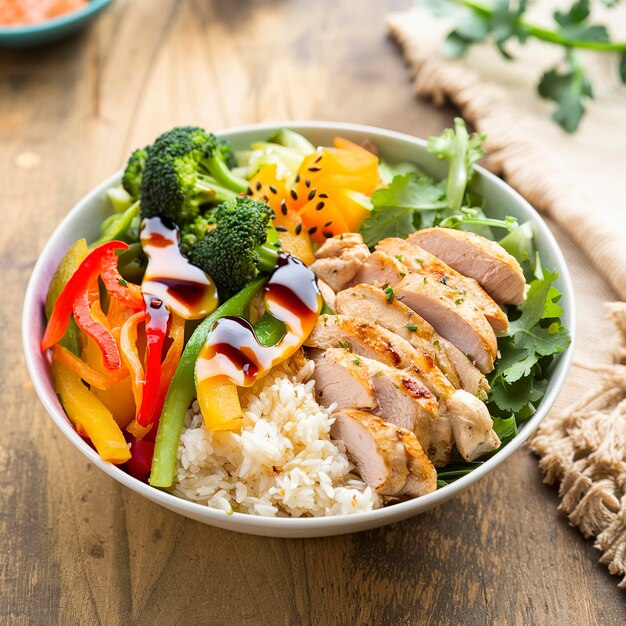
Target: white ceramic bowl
[[83, 221]]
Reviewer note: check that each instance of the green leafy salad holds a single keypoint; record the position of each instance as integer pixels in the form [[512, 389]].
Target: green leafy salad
[[412, 201]]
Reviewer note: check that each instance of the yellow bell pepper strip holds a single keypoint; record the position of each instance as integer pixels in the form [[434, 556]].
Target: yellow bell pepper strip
[[69, 264], [83, 408], [219, 403], [182, 389], [118, 397], [95, 329], [130, 355], [157, 319], [78, 282], [89, 374]]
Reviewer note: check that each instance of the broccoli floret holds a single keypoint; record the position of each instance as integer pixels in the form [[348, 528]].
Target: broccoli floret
[[242, 244], [193, 232], [131, 180], [185, 169]]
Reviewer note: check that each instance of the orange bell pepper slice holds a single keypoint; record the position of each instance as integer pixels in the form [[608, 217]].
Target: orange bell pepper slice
[[90, 375]]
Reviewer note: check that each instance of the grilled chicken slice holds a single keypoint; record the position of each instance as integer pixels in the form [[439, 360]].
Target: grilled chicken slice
[[340, 244], [389, 458], [340, 380], [455, 319], [489, 263], [373, 341], [472, 426], [424, 263], [339, 258], [372, 303], [379, 269], [394, 395], [327, 293]]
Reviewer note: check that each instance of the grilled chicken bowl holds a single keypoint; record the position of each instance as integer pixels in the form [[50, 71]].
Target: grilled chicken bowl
[[300, 330]]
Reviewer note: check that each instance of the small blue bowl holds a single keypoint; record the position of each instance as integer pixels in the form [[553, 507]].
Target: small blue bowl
[[52, 30]]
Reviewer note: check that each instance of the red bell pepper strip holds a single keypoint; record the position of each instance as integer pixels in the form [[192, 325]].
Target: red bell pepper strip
[[99, 333], [117, 287], [140, 460], [157, 318], [80, 280]]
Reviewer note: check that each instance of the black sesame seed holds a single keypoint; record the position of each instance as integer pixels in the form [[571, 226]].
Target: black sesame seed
[[312, 194], [258, 185], [249, 191], [327, 234], [283, 207], [320, 206], [312, 230], [307, 182], [264, 198], [319, 158], [328, 224], [323, 195], [314, 169], [281, 229], [294, 195], [273, 189], [298, 229], [297, 178]]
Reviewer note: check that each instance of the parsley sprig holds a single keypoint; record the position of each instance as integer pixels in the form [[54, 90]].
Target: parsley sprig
[[501, 21]]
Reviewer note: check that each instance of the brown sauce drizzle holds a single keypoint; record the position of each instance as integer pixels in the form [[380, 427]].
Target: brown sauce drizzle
[[183, 287], [292, 296]]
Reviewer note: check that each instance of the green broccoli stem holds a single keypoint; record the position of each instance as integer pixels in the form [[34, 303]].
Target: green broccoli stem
[[544, 34], [213, 190], [269, 251], [224, 177]]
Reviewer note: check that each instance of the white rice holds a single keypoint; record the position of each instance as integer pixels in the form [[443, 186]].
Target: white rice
[[282, 464]]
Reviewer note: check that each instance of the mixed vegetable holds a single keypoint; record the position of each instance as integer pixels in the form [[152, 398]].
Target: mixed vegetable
[[157, 312]]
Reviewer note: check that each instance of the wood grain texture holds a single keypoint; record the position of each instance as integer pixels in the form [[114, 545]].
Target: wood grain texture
[[77, 548]]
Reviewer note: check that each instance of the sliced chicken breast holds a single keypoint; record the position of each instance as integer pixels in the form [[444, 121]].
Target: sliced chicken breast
[[372, 303], [339, 258], [424, 263], [393, 394], [389, 458], [472, 426], [379, 269], [373, 341], [376, 448], [339, 380], [335, 246], [489, 263], [455, 319], [327, 293], [422, 478]]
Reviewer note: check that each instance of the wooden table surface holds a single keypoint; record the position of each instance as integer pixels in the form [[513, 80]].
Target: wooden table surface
[[77, 548]]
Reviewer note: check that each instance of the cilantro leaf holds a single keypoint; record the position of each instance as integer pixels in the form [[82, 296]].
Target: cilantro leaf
[[537, 333], [393, 208], [505, 428]]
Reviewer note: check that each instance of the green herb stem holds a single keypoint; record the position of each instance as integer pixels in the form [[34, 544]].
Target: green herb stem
[[545, 34]]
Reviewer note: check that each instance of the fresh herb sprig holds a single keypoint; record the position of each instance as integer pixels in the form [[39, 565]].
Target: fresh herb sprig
[[502, 21]]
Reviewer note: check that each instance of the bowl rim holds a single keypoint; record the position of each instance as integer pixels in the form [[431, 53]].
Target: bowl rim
[[60, 21], [340, 523]]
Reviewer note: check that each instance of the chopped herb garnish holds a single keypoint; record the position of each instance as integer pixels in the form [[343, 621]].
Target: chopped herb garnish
[[412, 327], [437, 345], [399, 257], [389, 294], [346, 345], [122, 282], [356, 362]]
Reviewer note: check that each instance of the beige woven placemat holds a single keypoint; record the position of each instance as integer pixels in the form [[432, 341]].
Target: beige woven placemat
[[579, 181]]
